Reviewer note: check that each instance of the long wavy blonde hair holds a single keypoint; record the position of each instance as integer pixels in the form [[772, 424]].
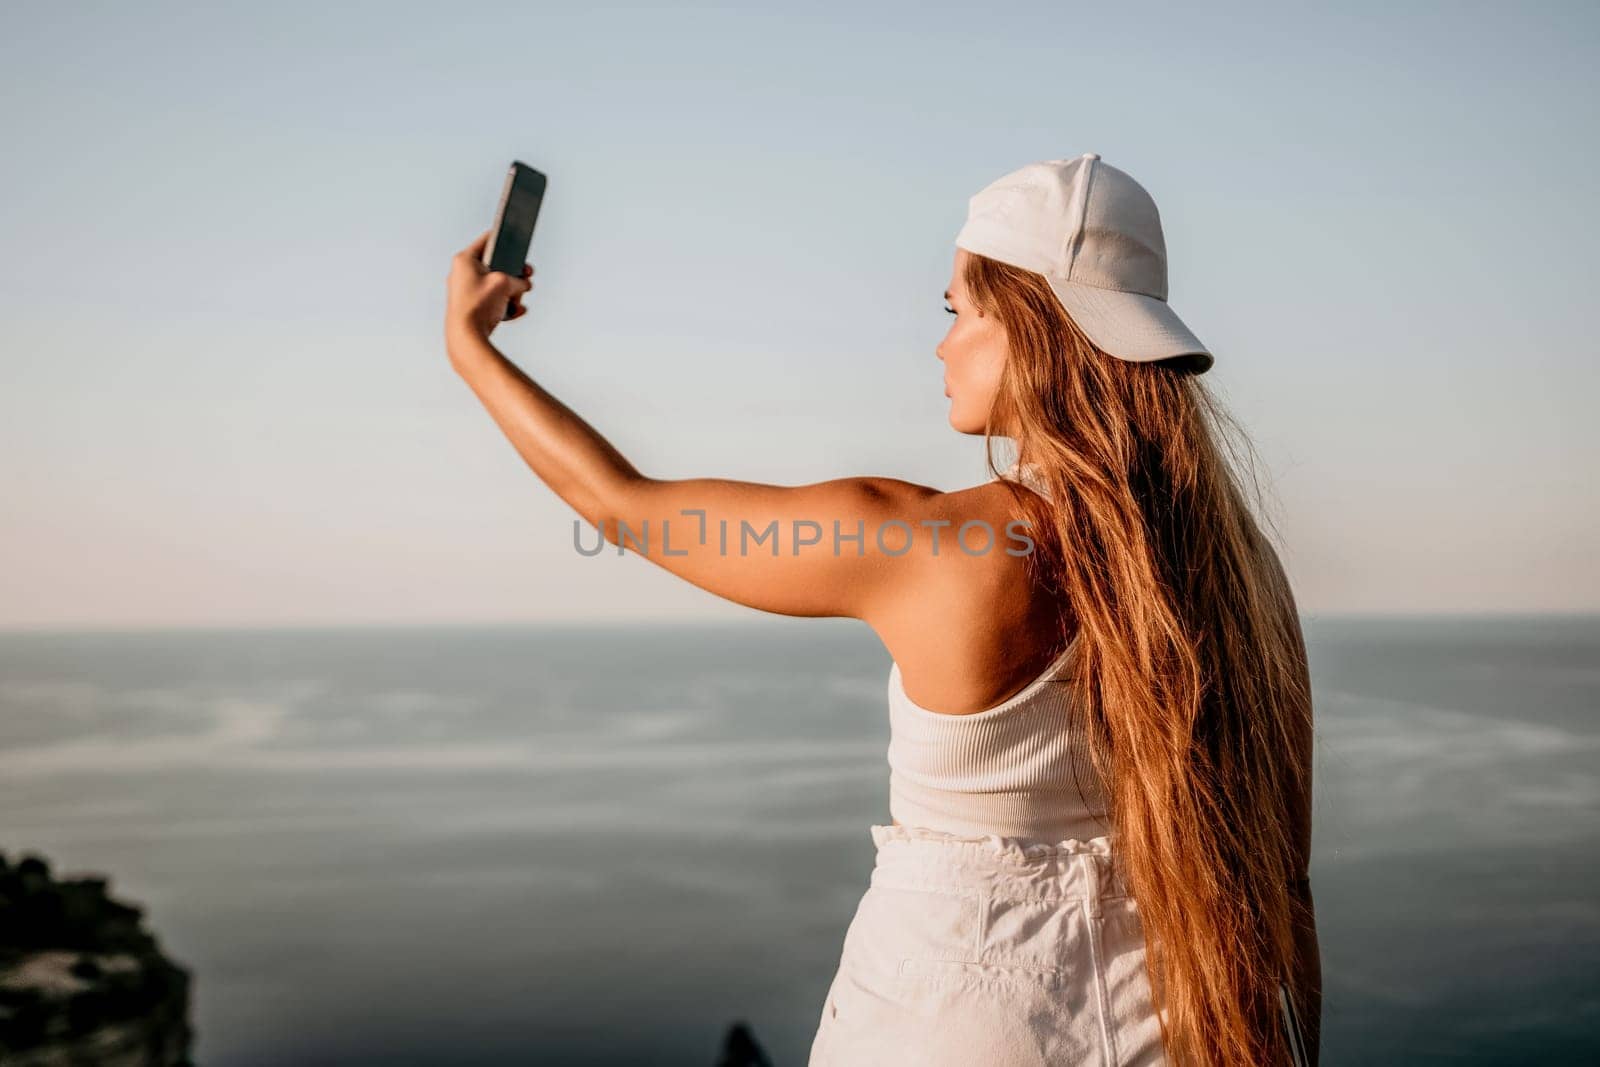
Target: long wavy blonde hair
[[1191, 661]]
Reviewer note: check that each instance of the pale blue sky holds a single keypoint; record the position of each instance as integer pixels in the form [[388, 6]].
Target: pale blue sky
[[224, 397]]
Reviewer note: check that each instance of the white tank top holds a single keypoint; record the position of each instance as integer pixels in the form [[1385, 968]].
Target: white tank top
[[1019, 769]]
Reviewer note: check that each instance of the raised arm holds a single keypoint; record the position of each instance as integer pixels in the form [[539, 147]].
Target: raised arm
[[845, 547]]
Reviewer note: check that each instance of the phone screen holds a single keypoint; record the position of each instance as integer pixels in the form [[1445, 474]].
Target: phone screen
[[512, 231]]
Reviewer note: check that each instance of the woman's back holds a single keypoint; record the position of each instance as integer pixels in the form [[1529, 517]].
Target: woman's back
[[980, 639], [975, 631], [995, 928], [1000, 871], [1019, 767]]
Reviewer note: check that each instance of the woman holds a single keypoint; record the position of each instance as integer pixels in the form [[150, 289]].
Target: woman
[[1100, 729]]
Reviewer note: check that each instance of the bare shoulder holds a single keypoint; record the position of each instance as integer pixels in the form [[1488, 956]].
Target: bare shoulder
[[964, 627], [924, 508], [968, 524]]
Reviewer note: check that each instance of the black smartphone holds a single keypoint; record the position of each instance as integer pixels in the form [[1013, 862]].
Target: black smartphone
[[512, 231]]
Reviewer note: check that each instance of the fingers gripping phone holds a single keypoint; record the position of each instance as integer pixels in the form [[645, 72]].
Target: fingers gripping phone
[[512, 231]]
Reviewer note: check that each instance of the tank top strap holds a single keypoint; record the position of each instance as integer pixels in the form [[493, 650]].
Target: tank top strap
[[1027, 475]]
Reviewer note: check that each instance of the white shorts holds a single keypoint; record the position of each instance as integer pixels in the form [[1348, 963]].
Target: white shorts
[[988, 952]]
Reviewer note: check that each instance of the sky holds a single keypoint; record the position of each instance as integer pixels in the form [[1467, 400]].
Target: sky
[[224, 394]]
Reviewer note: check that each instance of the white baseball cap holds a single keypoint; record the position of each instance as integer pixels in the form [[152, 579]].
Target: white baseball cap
[[1095, 235]]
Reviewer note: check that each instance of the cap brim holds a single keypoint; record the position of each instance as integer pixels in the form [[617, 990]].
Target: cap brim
[[1130, 326]]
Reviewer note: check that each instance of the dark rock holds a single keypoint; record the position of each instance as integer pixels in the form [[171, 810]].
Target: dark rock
[[81, 980], [739, 1049], [32, 874]]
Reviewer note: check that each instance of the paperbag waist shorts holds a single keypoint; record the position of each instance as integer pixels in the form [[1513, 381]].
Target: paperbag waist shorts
[[990, 952]]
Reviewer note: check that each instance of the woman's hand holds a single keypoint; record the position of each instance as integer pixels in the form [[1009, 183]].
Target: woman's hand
[[477, 296]]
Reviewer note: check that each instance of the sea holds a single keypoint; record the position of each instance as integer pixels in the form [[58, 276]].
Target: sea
[[605, 844]]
